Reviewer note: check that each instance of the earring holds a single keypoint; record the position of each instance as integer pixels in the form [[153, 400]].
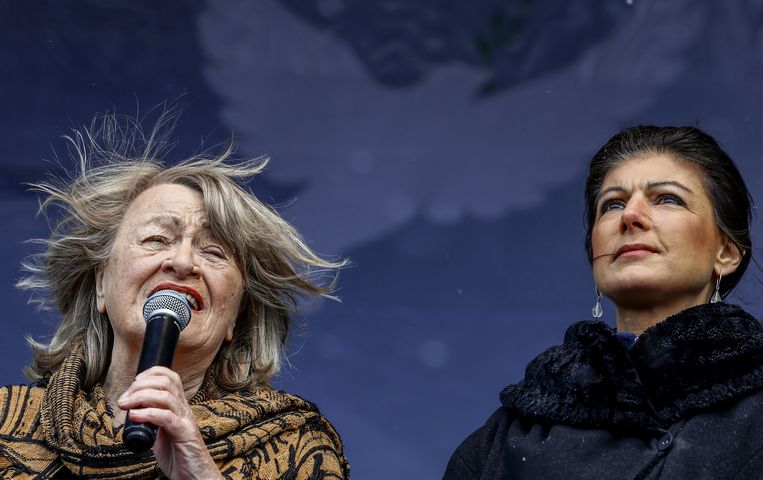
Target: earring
[[597, 311], [717, 293]]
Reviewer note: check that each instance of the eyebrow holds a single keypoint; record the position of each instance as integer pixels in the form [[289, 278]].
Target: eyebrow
[[171, 220], [649, 186], [162, 219]]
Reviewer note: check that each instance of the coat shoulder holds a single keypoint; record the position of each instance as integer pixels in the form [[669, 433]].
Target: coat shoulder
[[470, 458]]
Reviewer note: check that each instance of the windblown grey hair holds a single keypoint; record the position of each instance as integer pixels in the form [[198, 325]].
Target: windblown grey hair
[[116, 162]]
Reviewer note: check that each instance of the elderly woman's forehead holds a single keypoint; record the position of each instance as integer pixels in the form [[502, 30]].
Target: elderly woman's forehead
[[167, 219], [168, 197]]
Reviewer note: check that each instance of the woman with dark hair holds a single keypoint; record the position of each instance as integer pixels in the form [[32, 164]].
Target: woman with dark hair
[[676, 390], [130, 228]]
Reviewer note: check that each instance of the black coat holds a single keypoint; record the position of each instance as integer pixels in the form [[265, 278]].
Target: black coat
[[685, 402]]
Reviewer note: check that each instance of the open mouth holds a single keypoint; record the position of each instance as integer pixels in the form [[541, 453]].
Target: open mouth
[[191, 295], [192, 301]]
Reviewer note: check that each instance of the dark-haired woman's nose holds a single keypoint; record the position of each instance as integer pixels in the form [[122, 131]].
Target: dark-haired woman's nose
[[635, 215]]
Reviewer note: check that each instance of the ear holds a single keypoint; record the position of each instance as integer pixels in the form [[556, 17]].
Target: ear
[[729, 257], [229, 333], [100, 296]]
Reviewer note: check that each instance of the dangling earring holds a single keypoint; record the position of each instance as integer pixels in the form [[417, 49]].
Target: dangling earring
[[717, 294], [597, 311]]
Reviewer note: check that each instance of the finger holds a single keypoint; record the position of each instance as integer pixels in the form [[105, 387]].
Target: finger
[[178, 428], [153, 398], [158, 371], [156, 380]]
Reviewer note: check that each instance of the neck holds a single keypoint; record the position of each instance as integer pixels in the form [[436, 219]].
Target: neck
[[637, 318], [121, 373]]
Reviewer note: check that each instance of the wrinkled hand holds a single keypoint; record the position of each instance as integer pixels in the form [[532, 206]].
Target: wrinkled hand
[[157, 396]]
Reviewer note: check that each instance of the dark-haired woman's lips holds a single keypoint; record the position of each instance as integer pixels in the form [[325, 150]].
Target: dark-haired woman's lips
[[634, 250], [192, 295]]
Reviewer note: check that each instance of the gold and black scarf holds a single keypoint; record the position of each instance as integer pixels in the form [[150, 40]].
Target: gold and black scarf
[[259, 434]]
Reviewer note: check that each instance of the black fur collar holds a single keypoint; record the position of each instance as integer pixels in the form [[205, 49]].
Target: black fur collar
[[694, 361]]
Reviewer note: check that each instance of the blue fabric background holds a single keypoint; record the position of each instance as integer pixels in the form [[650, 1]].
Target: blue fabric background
[[441, 145]]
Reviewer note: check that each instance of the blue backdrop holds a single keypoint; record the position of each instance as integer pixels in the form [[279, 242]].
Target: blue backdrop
[[440, 145]]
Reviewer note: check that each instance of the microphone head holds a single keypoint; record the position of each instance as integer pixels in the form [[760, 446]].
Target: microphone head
[[168, 302]]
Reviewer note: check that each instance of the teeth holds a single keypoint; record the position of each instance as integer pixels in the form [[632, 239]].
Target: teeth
[[192, 301]]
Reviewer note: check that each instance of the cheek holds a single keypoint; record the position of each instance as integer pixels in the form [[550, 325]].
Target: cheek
[[232, 301], [701, 242], [230, 291], [128, 265], [231, 304], [128, 277], [599, 239], [693, 235], [112, 273]]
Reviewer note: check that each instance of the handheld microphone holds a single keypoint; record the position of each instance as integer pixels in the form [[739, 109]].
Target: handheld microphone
[[167, 313]]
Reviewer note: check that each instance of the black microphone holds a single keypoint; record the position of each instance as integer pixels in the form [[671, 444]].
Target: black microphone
[[167, 313]]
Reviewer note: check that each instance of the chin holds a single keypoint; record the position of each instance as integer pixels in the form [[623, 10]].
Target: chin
[[636, 278], [643, 294]]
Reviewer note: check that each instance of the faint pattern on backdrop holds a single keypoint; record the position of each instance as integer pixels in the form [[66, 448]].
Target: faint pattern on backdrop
[[440, 145], [374, 110]]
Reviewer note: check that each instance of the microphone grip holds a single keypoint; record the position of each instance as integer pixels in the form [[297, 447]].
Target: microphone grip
[[159, 342]]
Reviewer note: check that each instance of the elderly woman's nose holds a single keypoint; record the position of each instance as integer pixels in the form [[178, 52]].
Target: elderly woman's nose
[[182, 260], [635, 215]]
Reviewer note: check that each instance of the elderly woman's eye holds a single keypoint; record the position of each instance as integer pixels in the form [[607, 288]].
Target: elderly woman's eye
[[155, 239], [215, 252]]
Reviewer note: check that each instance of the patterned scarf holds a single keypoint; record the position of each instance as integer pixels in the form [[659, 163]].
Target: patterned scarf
[[261, 434]]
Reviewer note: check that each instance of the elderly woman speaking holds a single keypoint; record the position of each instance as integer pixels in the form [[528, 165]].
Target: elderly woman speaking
[[129, 227]]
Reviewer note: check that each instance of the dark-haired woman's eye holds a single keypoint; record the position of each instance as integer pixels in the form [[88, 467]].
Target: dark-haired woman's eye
[[611, 204], [669, 199]]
